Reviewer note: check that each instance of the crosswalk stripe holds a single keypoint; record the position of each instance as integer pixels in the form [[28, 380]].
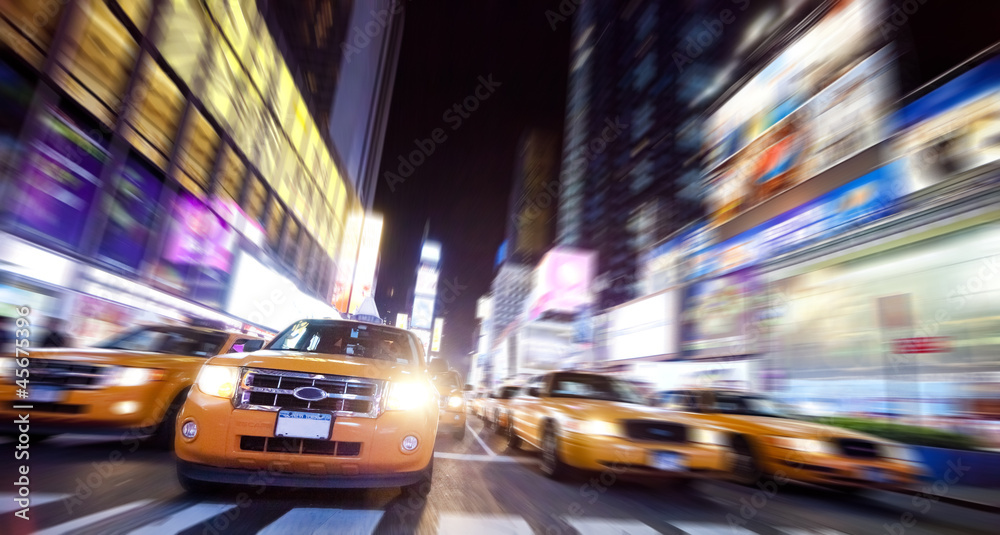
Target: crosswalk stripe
[[7, 503], [810, 531], [183, 519], [75, 525], [306, 520], [710, 528], [474, 457], [603, 526], [463, 524]]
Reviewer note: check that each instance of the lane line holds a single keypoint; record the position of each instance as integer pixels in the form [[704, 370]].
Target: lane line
[[7, 503], [474, 457], [309, 520], [183, 519], [481, 443], [710, 528], [74, 526], [603, 526], [465, 523]]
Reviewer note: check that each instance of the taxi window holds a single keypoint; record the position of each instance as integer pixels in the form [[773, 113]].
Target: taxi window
[[592, 386], [345, 338], [508, 392], [166, 339], [238, 345]]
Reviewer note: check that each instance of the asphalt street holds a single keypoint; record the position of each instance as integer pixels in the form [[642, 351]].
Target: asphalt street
[[92, 485]]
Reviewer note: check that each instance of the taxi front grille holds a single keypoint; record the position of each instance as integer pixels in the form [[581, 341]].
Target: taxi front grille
[[861, 449], [654, 431], [304, 446], [274, 390], [66, 374]]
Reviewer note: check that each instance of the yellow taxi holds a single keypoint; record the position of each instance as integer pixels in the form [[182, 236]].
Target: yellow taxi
[[326, 403], [595, 422], [766, 440], [451, 405], [478, 403], [498, 408], [132, 384]]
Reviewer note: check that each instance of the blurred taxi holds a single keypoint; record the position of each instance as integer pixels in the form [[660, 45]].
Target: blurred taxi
[[327, 403], [595, 422], [135, 382], [768, 440], [498, 408], [478, 403], [451, 404]]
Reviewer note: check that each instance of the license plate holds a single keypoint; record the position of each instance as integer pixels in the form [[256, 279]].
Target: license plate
[[303, 425], [45, 394], [667, 461]]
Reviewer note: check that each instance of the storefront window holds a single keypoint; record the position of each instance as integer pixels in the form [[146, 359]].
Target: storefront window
[[130, 211], [60, 178]]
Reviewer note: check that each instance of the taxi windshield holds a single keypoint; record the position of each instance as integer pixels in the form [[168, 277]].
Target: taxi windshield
[[589, 386], [345, 338], [165, 339], [749, 406], [508, 392]]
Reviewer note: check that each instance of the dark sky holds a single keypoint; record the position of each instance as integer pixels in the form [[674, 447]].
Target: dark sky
[[462, 188]]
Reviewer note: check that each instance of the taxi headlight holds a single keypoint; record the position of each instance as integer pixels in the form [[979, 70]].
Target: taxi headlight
[[707, 436], [408, 395], [6, 367], [129, 376], [218, 381], [591, 427], [806, 445], [455, 402]]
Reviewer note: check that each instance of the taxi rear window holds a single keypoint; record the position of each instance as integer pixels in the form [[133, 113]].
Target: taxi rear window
[[350, 339]]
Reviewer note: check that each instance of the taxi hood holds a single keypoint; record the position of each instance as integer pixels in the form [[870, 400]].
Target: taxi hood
[[786, 427], [321, 363], [114, 357]]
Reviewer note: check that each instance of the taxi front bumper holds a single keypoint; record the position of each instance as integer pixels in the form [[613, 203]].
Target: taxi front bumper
[[222, 447], [450, 420], [627, 456], [837, 470]]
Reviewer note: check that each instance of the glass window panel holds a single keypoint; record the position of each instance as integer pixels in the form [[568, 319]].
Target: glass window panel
[[99, 61], [198, 149], [232, 20], [256, 198], [285, 96], [221, 81], [130, 210], [232, 173], [157, 113], [274, 219], [137, 11], [37, 22], [291, 242], [183, 37]]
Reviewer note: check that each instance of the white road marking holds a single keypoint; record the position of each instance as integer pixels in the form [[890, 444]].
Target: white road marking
[[481, 443], [183, 519], [7, 503], [605, 526], [809, 531], [710, 528], [463, 524], [307, 520], [473, 457], [76, 525]]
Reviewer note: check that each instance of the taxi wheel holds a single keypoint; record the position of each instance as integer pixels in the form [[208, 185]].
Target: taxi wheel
[[745, 469], [422, 487], [552, 465], [163, 437], [513, 441]]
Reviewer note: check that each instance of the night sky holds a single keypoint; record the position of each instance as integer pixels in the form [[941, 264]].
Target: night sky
[[462, 188]]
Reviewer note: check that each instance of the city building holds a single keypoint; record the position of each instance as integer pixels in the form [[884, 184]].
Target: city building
[[172, 151]]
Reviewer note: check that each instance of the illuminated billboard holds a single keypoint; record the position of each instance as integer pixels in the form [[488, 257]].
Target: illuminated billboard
[[348, 259], [430, 253], [436, 335], [423, 313], [402, 321], [427, 278], [562, 282], [364, 274]]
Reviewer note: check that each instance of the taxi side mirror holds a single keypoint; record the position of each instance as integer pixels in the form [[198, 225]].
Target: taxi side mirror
[[534, 391], [467, 388], [252, 345]]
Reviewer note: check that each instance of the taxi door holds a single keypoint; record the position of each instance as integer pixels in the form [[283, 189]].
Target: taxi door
[[526, 410]]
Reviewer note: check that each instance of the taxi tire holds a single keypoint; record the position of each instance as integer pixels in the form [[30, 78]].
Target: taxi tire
[[752, 473], [552, 465], [163, 437], [422, 487], [513, 441]]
